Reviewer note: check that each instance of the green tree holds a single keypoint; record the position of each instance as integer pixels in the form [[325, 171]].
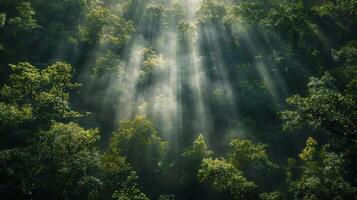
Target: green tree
[[138, 141], [324, 108], [11, 116], [224, 177], [130, 191], [117, 176], [211, 12], [197, 152], [44, 92], [323, 174], [18, 97], [31, 99], [273, 196], [248, 13], [57, 80], [252, 159], [192, 158], [342, 13], [245, 154], [24, 84], [22, 17], [153, 15], [59, 164]]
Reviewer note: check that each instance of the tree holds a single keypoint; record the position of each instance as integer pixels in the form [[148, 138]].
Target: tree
[[322, 175], [57, 78], [138, 141], [228, 66], [211, 12], [324, 108], [273, 196], [117, 175], [248, 13], [153, 16], [192, 158], [342, 14], [31, 99], [197, 152], [44, 92], [24, 84], [2, 19], [150, 67], [347, 73], [73, 155], [11, 116], [252, 159], [245, 154], [25, 19], [130, 191], [104, 27], [59, 164], [224, 177]]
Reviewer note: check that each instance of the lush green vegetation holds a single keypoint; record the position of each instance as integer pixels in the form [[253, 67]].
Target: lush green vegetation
[[178, 99]]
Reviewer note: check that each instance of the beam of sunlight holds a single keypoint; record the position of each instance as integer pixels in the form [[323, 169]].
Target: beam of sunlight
[[127, 82]]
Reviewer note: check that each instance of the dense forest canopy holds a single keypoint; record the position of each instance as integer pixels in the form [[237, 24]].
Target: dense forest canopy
[[178, 99]]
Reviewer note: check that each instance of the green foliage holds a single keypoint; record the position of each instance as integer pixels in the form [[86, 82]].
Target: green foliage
[[248, 56], [211, 12], [24, 83], [131, 191], [185, 29], [199, 149], [139, 133], [69, 146], [192, 158], [248, 13], [343, 12], [106, 27], [324, 108], [309, 152], [252, 159], [273, 196], [70, 150], [138, 141], [323, 174], [108, 64], [244, 153], [347, 54], [24, 20], [13, 115], [151, 60], [57, 78], [2, 19], [118, 177], [224, 177], [150, 67], [45, 92]]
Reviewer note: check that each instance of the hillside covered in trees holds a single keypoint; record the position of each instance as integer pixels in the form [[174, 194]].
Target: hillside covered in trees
[[178, 99]]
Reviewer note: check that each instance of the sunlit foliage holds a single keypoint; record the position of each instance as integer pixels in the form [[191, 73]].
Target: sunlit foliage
[[43, 92], [224, 177], [72, 154], [104, 99], [322, 175], [324, 108]]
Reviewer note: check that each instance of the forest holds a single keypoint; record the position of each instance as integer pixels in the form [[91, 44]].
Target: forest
[[178, 99]]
